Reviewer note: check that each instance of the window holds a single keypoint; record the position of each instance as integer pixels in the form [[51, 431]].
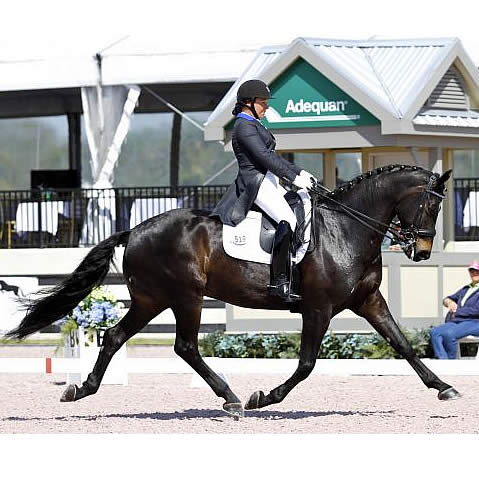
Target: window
[[466, 163], [311, 162], [31, 144], [348, 166]]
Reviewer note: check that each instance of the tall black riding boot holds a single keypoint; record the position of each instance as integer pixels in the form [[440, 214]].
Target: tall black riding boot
[[281, 284]]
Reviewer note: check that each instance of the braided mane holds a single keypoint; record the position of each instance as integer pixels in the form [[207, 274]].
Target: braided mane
[[373, 173]]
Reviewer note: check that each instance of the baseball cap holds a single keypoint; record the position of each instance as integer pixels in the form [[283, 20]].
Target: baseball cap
[[474, 265]]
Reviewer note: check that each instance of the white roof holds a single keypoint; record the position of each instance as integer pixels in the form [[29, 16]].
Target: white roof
[[390, 71], [45, 73], [181, 67], [127, 61], [459, 118], [390, 78]]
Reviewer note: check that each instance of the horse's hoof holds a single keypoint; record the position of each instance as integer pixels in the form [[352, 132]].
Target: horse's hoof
[[69, 394], [255, 400], [234, 409], [449, 394]]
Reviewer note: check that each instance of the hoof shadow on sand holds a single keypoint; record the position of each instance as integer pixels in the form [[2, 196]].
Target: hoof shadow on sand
[[215, 414]]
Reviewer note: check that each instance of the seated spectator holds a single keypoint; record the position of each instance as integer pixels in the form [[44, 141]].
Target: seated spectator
[[462, 318], [390, 245]]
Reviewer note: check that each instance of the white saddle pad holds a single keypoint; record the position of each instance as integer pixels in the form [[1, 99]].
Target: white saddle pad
[[242, 241]]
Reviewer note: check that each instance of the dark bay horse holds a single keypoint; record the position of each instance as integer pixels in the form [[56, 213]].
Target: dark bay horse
[[174, 259]]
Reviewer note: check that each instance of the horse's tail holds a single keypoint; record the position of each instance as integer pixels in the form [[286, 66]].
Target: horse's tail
[[61, 299]]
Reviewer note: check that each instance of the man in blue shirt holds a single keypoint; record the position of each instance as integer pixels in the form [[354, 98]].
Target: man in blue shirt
[[463, 316]]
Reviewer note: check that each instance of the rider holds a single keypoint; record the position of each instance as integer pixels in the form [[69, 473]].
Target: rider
[[260, 169]]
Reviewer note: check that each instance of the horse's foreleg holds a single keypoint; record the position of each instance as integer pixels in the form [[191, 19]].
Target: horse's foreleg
[[134, 320], [376, 312], [186, 346], [315, 326]]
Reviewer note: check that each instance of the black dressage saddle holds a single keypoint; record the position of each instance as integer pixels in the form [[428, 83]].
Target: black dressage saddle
[[268, 225]]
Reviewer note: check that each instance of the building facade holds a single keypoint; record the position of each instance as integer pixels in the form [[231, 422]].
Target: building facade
[[344, 107]]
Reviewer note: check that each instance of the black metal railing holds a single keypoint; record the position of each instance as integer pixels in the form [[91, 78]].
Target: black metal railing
[[69, 218]]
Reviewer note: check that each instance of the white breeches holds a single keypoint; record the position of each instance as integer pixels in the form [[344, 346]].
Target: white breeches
[[270, 199]]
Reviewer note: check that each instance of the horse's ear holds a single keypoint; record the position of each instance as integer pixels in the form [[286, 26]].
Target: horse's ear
[[442, 179]]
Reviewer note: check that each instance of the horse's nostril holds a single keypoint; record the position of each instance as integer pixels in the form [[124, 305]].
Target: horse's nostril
[[422, 255]]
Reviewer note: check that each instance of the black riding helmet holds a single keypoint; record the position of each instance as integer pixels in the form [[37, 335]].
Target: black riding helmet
[[249, 91]]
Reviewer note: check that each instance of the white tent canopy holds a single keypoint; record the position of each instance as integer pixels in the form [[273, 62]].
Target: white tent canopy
[[127, 61], [105, 85]]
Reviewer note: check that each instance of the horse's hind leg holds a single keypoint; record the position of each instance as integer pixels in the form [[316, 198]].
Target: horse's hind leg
[[134, 320], [315, 325], [188, 318], [376, 311]]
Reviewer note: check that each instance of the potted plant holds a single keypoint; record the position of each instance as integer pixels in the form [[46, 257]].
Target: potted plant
[[97, 312], [83, 330]]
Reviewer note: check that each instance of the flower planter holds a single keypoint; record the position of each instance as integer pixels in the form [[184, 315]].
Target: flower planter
[[78, 345], [71, 349], [99, 311]]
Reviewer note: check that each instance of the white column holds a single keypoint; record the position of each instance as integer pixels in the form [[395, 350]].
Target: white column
[[329, 165], [435, 165]]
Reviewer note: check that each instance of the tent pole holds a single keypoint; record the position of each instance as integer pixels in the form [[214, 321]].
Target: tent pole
[[175, 151], [173, 108], [74, 143]]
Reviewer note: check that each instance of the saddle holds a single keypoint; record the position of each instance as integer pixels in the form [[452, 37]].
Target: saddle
[[252, 239], [268, 225]]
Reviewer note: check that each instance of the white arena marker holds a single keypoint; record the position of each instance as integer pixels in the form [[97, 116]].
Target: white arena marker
[[22, 365], [329, 367]]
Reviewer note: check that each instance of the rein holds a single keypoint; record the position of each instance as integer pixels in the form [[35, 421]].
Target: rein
[[405, 236]]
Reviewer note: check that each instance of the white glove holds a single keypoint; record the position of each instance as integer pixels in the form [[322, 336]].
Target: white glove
[[304, 179]]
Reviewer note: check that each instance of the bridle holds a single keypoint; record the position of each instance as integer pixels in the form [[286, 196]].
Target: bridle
[[415, 226], [405, 236]]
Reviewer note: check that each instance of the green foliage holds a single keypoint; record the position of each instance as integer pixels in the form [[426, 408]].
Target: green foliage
[[333, 346], [341, 347], [42, 143], [32, 342], [249, 345], [208, 342], [420, 340], [377, 347], [68, 327], [145, 155]]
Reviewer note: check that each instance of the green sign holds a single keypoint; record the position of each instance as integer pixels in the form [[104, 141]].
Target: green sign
[[304, 98]]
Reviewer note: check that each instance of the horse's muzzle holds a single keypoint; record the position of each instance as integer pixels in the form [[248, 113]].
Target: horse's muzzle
[[421, 255], [422, 250]]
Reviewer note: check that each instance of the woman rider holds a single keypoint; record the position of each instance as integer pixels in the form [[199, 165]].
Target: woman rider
[[260, 169]]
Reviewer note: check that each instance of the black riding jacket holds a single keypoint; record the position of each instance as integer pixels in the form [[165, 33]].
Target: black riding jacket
[[253, 146]]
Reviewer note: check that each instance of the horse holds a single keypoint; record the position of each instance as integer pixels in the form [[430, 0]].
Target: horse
[[174, 259], [10, 287]]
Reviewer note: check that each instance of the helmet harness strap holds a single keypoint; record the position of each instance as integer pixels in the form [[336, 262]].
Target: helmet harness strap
[[249, 91], [251, 108]]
